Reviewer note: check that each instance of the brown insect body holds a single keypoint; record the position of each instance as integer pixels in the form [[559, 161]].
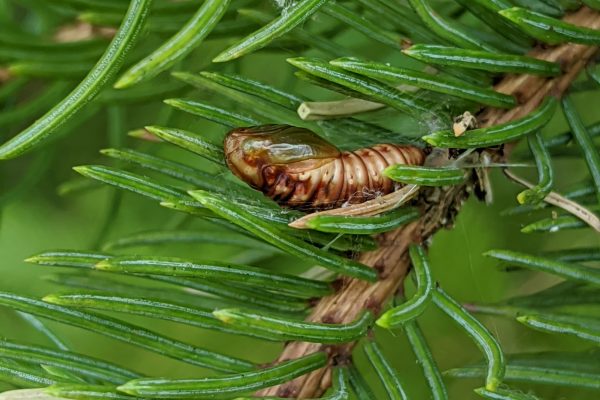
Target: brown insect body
[[297, 168]]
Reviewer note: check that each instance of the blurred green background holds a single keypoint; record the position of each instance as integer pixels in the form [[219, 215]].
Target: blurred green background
[[35, 217]]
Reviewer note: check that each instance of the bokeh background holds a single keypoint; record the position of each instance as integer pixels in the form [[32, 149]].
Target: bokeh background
[[35, 215]]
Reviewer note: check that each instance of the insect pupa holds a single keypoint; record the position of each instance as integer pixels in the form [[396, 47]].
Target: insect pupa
[[297, 168]]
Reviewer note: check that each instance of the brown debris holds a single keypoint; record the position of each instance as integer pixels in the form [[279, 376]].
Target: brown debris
[[463, 123], [80, 30], [5, 75]]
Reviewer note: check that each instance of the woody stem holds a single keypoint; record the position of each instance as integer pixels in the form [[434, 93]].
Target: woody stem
[[391, 258]]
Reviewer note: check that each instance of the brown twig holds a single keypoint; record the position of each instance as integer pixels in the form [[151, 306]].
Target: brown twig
[[439, 208]]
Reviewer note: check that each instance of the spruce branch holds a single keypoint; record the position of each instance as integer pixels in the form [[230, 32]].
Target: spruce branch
[[391, 258]]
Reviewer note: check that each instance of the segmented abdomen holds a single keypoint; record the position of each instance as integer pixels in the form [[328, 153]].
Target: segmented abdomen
[[352, 177]]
